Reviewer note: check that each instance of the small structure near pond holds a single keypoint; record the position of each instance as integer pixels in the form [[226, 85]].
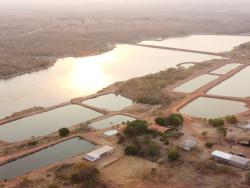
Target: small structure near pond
[[98, 153], [188, 144], [234, 160]]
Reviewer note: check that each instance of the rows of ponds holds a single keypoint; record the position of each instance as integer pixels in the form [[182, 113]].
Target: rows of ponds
[[75, 77]]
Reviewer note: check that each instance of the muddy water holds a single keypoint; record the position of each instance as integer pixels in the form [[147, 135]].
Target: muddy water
[[111, 121], [45, 157], [109, 102], [236, 86], [208, 43], [213, 108], [45, 123], [76, 77]]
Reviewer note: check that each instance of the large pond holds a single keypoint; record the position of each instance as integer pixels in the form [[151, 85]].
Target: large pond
[[111, 121], [208, 43], [195, 83], [236, 86], [110, 102], [213, 108], [76, 77], [40, 159], [45, 123]]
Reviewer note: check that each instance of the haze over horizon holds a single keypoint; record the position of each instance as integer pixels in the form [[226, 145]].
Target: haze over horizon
[[125, 8]]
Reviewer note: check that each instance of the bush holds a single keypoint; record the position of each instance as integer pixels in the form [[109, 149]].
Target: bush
[[218, 122], [247, 176], [32, 143], [63, 132], [204, 133], [152, 149], [175, 120], [222, 131], [161, 121], [166, 142], [173, 155], [53, 185], [132, 150], [231, 119], [87, 177], [121, 139], [209, 145], [136, 128]]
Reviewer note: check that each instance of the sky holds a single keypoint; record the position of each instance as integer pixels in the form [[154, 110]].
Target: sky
[[108, 6]]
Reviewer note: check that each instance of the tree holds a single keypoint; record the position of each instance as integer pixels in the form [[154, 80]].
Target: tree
[[231, 119], [218, 122], [132, 150], [136, 128], [63, 132], [175, 119], [173, 155], [161, 121]]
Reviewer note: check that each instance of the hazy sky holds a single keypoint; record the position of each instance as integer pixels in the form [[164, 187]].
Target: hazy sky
[[124, 5]]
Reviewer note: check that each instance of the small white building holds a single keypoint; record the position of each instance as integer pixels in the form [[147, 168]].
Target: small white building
[[98, 153], [234, 160], [188, 144]]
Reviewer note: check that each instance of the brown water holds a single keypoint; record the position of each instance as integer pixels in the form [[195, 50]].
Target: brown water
[[75, 77]]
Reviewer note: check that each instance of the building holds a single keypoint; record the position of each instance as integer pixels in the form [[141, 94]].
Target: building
[[158, 128], [98, 153], [188, 144], [234, 160]]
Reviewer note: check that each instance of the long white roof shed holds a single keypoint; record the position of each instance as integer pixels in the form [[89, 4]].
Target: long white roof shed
[[231, 159], [96, 154]]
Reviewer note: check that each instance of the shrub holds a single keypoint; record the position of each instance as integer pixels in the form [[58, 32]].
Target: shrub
[[173, 155], [121, 139], [231, 119], [161, 121], [222, 131], [32, 143], [218, 122], [209, 145], [166, 142], [87, 177], [152, 149], [204, 133], [53, 185], [247, 176], [63, 132], [132, 150], [175, 120], [136, 128]]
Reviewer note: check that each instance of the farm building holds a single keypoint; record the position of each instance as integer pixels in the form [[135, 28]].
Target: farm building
[[98, 153], [188, 144], [234, 160]]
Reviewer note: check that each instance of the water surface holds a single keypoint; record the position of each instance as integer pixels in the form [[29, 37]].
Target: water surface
[[213, 108], [76, 77], [40, 159], [111, 121], [236, 86], [110, 102], [196, 83], [208, 43], [226, 68], [45, 123]]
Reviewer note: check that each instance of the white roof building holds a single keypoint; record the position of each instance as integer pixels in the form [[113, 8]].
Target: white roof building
[[234, 160], [188, 144], [111, 133], [98, 153]]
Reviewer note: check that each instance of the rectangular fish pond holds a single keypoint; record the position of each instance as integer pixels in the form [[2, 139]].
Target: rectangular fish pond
[[45, 123], [42, 158], [111, 121], [110, 102], [196, 83], [226, 68], [204, 107]]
